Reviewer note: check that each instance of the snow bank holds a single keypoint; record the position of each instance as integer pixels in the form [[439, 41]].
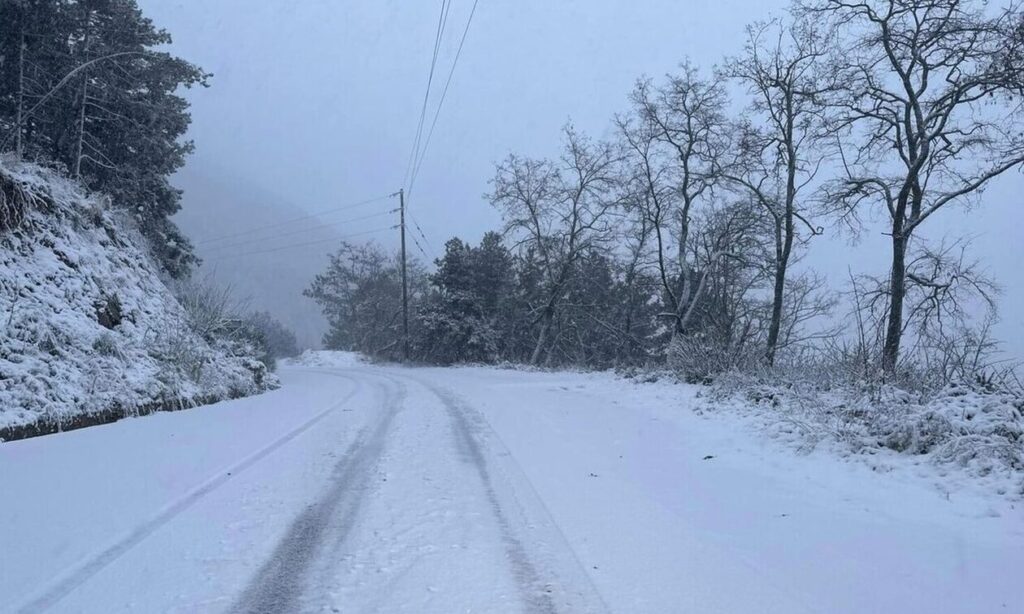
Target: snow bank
[[89, 332], [329, 359], [969, 435]]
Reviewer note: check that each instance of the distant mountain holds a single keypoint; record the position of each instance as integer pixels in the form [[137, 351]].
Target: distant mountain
[[237, 230]]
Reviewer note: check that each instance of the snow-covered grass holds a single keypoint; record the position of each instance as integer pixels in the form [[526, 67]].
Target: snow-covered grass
[[88, 327], [962, 436]]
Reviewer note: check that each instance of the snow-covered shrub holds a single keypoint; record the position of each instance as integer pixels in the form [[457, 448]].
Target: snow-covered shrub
[[180, 352], [270, 339], [20, 194], [12, 204], [212, 309], [976, 426], [106, 345], [700, 358]]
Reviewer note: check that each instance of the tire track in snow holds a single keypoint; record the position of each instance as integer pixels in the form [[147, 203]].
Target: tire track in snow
[[535, 594], [538, 586], [82, 572], [279, 584]]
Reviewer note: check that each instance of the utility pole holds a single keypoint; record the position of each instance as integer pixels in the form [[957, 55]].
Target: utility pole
[[405, 280]]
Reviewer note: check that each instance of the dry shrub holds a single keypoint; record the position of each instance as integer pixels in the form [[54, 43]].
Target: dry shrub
[[19, 194], [14, 200]]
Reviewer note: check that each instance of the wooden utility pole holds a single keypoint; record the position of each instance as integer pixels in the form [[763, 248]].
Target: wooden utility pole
[[405, 280]]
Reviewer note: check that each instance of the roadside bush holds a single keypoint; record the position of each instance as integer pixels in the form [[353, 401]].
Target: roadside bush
[[13, 202], [700, 358], [276, 340], [212, 310], [106, 345], [976, 424]]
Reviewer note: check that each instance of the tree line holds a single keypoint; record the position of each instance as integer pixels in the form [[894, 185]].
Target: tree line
[[680, 237], [85, 87]]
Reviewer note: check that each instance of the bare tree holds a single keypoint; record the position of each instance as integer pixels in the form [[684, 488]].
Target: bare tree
[[729, 251], [925, 115], [776, 158], [211, 309], [636, 238], [943, 290], [560, 210], [676, 140]]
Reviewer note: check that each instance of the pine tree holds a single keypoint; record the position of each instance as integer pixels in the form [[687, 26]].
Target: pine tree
[[83, 86]]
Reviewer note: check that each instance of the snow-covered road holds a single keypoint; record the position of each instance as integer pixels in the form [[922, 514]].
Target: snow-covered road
[[374, 489]]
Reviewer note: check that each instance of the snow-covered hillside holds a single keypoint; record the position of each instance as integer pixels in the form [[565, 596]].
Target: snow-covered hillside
[[89, 332]]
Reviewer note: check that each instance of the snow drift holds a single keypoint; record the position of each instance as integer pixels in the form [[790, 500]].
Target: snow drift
[[89, 331]]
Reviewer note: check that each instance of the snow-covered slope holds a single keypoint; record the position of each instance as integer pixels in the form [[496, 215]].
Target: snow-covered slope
[[89, 332]]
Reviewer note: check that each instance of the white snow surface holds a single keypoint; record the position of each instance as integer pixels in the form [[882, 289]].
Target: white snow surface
[[363, 488], [57, 360]]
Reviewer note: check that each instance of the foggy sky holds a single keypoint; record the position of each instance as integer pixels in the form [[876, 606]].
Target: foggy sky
[[314, 104]]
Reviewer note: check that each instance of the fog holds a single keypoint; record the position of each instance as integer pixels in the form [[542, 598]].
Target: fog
[[314, 104]]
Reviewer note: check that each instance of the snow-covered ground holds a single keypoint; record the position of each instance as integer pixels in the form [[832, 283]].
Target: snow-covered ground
[[361, 488]]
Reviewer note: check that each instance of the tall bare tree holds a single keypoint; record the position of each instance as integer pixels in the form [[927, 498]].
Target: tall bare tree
[[560, 210], [926, 116], [676, 138], [775, 156]]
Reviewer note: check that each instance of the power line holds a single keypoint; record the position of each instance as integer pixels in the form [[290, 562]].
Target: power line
[[284, 247], [420, 230], [293, 220], [304, 230], [441, 21], [420, 247], [444, 93]]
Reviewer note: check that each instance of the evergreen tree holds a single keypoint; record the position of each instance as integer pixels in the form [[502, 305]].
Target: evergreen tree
[[83, 86], [462, 321], [360, 295]]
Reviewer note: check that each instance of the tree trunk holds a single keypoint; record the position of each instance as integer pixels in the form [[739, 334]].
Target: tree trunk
[[897, 292], [779, 292], [77, 172], [77, 162], [19, 119], [786, 228], [542, 338], [776, 323], [686, 318], [683, 302]]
